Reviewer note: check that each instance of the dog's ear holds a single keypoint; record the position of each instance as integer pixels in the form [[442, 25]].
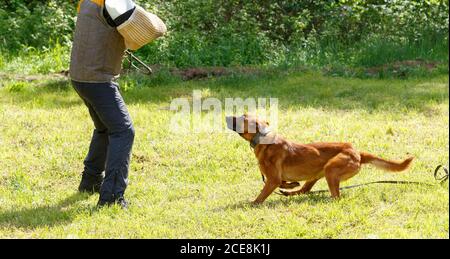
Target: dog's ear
[[263, 123]]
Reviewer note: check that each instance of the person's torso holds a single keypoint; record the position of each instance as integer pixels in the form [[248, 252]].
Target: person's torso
[[98, 48]]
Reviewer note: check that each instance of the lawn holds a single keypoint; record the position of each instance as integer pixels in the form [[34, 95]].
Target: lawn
[[200, 185]]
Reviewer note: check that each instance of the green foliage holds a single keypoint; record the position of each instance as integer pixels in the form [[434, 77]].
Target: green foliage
[[35, 23], [17, 86], [257, 32], [292, 32], [30, 60]]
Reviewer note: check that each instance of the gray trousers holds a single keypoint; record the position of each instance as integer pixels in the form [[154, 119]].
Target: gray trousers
[[113, 137]]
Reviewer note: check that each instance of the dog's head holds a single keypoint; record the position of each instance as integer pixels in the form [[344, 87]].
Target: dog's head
[[247, 126]]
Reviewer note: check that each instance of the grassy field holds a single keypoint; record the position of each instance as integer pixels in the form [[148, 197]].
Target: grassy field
[[201, 185]]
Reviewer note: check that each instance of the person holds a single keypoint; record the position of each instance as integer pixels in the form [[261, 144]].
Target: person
[[96, 59]]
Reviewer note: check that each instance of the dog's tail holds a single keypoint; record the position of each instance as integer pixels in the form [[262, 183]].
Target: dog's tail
[[387, 165]]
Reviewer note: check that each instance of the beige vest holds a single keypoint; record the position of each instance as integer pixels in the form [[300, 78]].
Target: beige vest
[[98, 48]]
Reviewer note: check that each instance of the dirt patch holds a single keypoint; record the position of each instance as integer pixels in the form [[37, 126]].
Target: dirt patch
[[415, 63], [198, 73], [184, 74], [32, 78], [206, 72], [400, 66]]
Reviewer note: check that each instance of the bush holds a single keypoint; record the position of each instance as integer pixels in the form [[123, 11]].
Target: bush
[[34, 61], [35, 23], [256, 32]]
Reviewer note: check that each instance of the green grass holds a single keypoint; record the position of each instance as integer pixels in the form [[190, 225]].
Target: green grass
[[201, 185], [30, 61]]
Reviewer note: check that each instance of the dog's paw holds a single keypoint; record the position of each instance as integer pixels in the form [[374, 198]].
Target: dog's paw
[[255, 203]]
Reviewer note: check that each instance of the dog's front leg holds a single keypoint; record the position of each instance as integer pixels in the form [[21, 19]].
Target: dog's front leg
[[269, 187], [273, 181]]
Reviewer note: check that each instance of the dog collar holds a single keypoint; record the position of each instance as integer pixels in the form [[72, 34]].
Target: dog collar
[[257, 138]]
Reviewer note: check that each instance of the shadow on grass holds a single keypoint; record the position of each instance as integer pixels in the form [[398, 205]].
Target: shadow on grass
[[60, 213], [293, 91], [312, 199]]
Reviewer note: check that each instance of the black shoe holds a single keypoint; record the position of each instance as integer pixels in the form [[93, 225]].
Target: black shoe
[[122, 203], [102, 203], [90, 183]]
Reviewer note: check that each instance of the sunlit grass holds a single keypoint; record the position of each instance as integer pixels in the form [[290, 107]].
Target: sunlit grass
[[201, 185]]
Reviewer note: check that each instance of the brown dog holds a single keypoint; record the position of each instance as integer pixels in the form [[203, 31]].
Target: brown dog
[[283, 163]]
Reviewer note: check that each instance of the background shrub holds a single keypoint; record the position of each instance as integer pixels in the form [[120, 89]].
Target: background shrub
[[256, 32]]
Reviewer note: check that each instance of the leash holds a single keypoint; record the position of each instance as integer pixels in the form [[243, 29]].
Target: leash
[[144, 69], [440, 175]]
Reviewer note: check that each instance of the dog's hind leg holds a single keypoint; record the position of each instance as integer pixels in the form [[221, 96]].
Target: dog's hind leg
[[340, 168], [308, 186]]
